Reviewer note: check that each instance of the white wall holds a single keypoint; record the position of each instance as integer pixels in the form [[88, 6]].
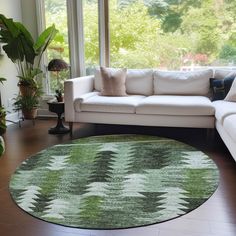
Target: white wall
[[29, 18], [23, 11], [11, 9]]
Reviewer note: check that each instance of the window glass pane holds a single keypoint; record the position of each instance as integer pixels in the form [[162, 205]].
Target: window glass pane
[[56, 13], [172, 34], [91, 38]]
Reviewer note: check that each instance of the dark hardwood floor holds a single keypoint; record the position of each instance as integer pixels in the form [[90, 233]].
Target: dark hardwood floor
[[215, 217]]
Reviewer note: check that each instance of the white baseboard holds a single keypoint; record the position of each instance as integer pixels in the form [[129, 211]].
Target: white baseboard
[[16, 116], [12, 118]]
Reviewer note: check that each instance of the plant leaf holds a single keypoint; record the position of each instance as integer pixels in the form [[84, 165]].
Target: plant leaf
[[9, 25], [19, 42], [2, 79], [45, 39]]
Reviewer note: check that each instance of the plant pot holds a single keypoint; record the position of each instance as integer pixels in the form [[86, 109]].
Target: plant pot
[[60, 99], [29, 114], [26, 90]]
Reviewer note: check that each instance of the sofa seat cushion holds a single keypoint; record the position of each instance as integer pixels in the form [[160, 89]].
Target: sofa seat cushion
[[230, 126], [176, 105], [99, 103], [224, 109]]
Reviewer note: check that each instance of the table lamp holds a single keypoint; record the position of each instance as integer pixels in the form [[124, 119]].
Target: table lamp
[[58, 65]]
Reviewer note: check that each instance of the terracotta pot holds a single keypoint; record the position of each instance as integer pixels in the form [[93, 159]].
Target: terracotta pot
[[60, 99], [29, 114], [26, 90]]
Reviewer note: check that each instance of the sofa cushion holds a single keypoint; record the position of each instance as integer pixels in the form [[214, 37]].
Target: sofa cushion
[[221, 74], [82, 98], [113, 82], [176, 105], [223, 109], [231, 96], [99, 103], [182, 82], [138, 81], [221, 83], [230, 126], [218, 89]]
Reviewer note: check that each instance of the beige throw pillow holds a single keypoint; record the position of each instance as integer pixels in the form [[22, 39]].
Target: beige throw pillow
[[231, 96], [113, 82]]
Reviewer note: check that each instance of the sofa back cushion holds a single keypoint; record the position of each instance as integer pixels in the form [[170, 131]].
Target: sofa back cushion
[[231, 96], [221, 74], [138, 81], [221, 85], [182, 82]]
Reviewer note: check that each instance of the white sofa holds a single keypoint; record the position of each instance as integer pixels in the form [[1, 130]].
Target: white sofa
[[156, 98], [225, 113]]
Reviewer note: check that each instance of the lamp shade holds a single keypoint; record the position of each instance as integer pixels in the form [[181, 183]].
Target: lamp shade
[[57, 65]]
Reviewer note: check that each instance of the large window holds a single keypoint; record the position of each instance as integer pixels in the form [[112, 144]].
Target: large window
[[134, 35], [56, 13], [165, 34], [172, 34]]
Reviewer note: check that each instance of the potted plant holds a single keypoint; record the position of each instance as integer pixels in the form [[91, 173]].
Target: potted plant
[[59, 95], [2, 114], [2, 120], [28, 104], [24, 52]]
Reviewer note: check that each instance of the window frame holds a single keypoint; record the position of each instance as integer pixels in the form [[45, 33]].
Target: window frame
[[76, 36]]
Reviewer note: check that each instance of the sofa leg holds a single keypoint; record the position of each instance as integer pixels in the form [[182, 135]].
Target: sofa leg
[[71, 129]]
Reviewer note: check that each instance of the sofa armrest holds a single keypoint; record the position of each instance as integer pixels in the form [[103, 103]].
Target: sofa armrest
[[74, 88]]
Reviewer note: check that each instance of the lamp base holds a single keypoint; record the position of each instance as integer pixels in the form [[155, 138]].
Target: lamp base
[[58, 130]]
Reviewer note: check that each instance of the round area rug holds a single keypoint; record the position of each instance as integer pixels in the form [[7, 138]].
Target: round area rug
[[114, 181]]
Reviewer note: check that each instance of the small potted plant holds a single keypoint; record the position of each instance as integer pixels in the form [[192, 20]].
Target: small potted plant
[[28, 105], [59, 95]]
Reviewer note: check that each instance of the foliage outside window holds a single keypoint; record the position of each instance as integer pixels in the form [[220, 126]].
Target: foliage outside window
[[56, 12], [171, 34], [91, 37], [165, 34]]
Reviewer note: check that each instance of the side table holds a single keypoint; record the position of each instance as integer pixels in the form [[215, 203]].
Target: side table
[[58, 108]]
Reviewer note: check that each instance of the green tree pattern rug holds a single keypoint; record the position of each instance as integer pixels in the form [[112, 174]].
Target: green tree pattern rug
[[114, 181]]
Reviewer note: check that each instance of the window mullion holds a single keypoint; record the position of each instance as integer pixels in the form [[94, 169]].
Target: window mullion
[[104, 32], [41, 26], [76, 37]]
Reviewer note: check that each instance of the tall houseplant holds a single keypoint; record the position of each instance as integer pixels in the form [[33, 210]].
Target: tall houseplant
[[23, 51], [2, 123], [2, 113]]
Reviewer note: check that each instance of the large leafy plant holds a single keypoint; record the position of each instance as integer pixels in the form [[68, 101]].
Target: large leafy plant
[[23, 51], [2, 113]]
